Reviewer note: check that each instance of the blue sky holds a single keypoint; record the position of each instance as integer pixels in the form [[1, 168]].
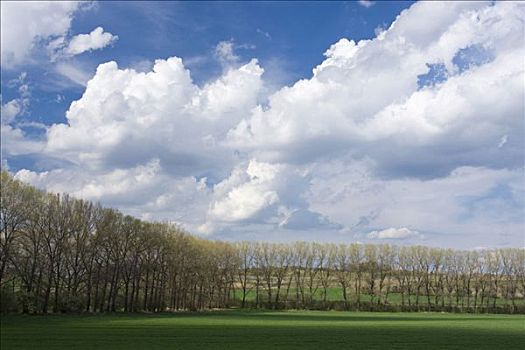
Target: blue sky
[[336, 121]]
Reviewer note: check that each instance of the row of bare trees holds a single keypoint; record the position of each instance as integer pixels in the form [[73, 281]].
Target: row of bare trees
[[381, 277], [60, 254]]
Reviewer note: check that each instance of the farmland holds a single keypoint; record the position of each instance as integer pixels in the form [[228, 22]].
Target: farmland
[[264, 330], [335, 294]]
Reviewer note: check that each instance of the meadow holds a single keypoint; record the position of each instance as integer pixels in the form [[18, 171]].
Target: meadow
[[335, 294], [233, 329]]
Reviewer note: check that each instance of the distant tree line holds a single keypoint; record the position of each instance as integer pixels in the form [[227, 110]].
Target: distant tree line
[[60, 254]]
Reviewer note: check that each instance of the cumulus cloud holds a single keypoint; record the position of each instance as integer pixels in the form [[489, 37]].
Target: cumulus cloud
[[267, 194], [127, 117], [15, 142], [394, 233], [44, 20], [95, 40], [365, 97], [64, 47], [245, 193], [362, 144], [145, 190], [47, 39], [10, 110]]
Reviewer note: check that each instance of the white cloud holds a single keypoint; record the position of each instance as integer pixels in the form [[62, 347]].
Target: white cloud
[[264, 194], [365, 97], [73, 73], [47, 40], [145, 190], [394, 233], [15, 142], [25, 23], [358, 146], [224, 51], [264, 33], [13, 139], [10, 110], [366, 3], [244, 194], [468, 205], [503, 141], [126, 117], [379, 30], [143, 65], [95, 40]]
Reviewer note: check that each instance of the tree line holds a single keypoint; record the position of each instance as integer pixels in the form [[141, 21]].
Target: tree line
[[61, 254]]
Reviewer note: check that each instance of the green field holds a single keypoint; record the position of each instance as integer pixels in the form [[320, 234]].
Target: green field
[[265, 330], [336, 294]]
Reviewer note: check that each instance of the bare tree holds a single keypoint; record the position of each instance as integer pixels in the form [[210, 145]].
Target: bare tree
[[61, 254]]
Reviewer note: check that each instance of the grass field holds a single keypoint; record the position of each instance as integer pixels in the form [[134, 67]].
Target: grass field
[[336, 294], [265, 330]]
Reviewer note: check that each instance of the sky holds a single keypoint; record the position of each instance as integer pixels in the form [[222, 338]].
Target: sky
[[372, 122]]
